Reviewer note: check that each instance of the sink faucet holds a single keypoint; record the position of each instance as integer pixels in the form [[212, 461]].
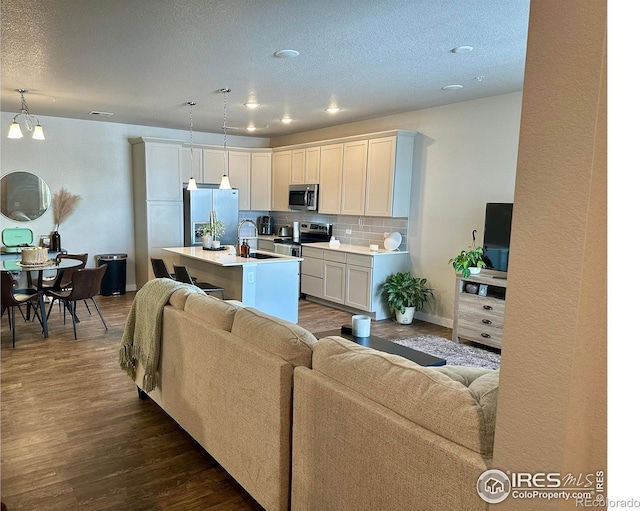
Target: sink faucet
[[242, 222]]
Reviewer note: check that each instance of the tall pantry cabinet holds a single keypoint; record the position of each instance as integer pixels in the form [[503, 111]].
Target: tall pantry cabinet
[[157, 201]]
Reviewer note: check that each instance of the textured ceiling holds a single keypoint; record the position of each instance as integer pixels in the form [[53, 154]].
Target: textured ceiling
[[143, 60]]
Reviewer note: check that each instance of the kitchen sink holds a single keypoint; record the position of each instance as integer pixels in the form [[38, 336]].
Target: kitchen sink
[[255, 255]]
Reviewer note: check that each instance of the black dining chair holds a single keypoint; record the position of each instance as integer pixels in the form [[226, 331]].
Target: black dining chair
[[183, 275], [85, 285], [160, 269], [10, 298]]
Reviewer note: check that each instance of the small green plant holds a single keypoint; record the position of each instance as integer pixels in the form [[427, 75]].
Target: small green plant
[[216, 229], [402, 291], [472, 257]]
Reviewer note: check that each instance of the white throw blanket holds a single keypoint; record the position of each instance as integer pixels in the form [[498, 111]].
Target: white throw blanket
[[143, 329]]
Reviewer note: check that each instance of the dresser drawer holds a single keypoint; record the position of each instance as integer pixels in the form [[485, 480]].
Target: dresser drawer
[[491, 336], [485, 306]]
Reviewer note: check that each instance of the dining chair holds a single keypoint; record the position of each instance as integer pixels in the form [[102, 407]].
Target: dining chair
[[63, 278], [85, 285], [183, 275], [160, 269], [10, 298]]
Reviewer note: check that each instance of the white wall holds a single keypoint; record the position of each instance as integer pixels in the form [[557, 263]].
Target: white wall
[[91, 159], [465, 156]]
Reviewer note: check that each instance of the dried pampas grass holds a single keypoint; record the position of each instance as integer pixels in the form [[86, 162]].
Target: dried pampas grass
[[63, 204]]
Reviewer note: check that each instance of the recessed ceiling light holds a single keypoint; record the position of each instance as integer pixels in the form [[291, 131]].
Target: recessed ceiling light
[[452, 87], [287, 54], [332, 109], [251, 128], [286, 120], [252, 104], [462, 49]]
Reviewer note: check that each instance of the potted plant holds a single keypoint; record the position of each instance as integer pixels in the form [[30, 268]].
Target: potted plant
[[468, 261], [405, 294], [211, 234]]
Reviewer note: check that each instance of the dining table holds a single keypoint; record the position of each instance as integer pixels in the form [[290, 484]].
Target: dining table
[[16, 266]]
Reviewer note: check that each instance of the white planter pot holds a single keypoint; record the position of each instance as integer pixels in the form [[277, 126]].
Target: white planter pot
[[215, 244], [207, 240], [474, 270], [407, 317]]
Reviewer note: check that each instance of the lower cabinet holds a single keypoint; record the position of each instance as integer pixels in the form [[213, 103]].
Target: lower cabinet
[[265, 245], [350, 279]]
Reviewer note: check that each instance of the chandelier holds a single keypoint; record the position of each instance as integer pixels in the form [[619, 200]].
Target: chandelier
[[31, 122]]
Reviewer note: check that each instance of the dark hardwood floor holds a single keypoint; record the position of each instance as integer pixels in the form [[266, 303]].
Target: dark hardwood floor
[[76, 436]]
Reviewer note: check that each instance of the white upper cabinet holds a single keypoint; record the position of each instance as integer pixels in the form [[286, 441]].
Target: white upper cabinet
[[160, 167], [305, 165], [389, 169], [240, 177], [354, 176], [213, 165], [298, 166], [185, 171], [280, 180], [261, 181], [331, 179], [312, 165]]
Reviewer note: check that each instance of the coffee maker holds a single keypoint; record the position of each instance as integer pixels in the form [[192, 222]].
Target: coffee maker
[[265, 225]]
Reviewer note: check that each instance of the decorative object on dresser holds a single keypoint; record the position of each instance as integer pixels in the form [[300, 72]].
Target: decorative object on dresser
[[480, 317], [405, 294], [63, 204]]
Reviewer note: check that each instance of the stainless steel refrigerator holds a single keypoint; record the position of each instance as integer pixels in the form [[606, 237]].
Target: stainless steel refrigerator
[[198, 205]]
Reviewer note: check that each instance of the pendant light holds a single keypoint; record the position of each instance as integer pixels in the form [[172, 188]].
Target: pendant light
[[31, 122], [224, 182], [192, 182]]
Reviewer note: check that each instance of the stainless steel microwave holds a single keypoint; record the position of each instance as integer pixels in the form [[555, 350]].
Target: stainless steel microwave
[[303, 197]]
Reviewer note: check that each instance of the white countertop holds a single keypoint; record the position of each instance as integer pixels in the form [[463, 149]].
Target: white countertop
[[354, 249], [228, 257]]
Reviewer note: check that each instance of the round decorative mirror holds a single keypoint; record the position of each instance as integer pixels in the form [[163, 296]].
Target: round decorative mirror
[[25, 196]]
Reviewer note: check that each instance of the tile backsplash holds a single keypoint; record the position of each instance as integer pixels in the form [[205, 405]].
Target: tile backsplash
[[364, 230]]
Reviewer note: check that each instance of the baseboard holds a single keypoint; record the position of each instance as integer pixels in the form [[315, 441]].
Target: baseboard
[[436, 320]]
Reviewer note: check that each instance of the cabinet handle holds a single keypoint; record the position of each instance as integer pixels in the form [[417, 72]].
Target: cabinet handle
[[486, 336], [487, 307], [486, 321]]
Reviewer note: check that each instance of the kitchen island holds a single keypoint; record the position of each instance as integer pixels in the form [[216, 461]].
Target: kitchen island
[[269, 282]]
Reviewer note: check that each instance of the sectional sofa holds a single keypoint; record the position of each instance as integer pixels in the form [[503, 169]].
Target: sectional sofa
[[323, 425]]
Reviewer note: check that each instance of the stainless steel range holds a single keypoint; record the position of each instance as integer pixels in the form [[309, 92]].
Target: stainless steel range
[[309, 233]]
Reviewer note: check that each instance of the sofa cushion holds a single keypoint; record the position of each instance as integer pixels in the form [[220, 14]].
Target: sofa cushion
[[179, 297], [210, 310], [456, 404], [277, 336]]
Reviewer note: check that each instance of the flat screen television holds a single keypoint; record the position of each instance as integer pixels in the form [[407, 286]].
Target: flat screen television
[[497, 235]]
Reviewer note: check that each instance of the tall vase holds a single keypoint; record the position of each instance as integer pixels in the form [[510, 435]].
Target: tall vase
[[55, 241]]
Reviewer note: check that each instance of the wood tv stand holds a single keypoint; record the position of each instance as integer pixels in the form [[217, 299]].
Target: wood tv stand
[[480, 318]]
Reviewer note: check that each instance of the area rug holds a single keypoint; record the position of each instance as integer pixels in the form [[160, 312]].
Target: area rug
[[456, 354]]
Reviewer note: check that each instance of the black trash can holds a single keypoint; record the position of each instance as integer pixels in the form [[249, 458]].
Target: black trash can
[[115, 278]]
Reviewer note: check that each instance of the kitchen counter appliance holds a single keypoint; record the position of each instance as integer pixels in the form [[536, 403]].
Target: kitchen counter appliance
[[265, 225], [303, 197]]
